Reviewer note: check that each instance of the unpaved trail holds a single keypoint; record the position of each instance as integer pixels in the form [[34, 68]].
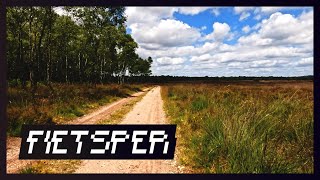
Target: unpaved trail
[[13, 143], [13, 150], [105, 111], [148, 111]]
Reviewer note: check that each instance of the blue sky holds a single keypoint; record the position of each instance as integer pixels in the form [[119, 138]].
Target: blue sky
[[224, 41]]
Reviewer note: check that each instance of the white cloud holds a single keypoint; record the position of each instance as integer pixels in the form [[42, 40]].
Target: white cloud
[[257, 17], [167, 33], [282, 29], [305, 62], [260, 12], [149, 15], [244, 16], [166, 70], [257, 26], [283, 24], [269, 9], [220, 32], [215, 11], [182, 51], [254, 39], [204, 57], [154, 27], [243, 11], [265, 10], [239, 10], [281, 44], [192, 10], [267, 63], [203, 28], [164, 61], [246, 29], [196, 10]]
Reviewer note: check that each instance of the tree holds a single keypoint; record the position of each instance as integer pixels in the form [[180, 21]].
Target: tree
[[141, 67], [87, 44]]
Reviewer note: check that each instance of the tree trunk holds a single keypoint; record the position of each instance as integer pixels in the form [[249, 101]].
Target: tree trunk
[[66, 70], [79, 65], [101, 71]]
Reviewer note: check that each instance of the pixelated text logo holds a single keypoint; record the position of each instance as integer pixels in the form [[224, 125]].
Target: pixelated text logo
[[98, 142]]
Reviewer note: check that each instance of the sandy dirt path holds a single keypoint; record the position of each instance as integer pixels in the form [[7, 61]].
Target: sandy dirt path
[[148, 111], [13, 143], [105, 111]]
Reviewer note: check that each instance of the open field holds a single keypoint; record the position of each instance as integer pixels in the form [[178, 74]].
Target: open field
[[243, 127], [223, 127]]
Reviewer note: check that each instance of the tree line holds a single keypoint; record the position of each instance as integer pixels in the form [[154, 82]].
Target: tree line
[[86, 44], [206, 79]]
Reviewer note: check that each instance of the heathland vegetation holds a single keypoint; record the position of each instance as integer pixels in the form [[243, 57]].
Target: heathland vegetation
[[243, 127], [68, 102]]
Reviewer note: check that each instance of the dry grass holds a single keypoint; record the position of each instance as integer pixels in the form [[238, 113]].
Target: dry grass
[[252, 127], [68, 102]]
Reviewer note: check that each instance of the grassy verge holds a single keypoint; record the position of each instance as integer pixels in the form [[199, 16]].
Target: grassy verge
[[65, 103], [243, 128]]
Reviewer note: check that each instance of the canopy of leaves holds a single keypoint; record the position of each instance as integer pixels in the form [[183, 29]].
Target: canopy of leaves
[[86, 44]]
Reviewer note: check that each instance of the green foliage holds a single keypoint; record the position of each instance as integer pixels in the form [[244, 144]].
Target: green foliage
[[86, 44], [243, 128]]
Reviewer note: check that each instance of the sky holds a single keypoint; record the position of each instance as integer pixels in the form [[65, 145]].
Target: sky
[[224, 41]]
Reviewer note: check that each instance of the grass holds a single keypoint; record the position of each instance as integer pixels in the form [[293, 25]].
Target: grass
[[68, 102], [248, 127]]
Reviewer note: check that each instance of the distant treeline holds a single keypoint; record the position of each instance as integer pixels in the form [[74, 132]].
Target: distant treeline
[[85, 45], [183, 79], [173, 79]]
